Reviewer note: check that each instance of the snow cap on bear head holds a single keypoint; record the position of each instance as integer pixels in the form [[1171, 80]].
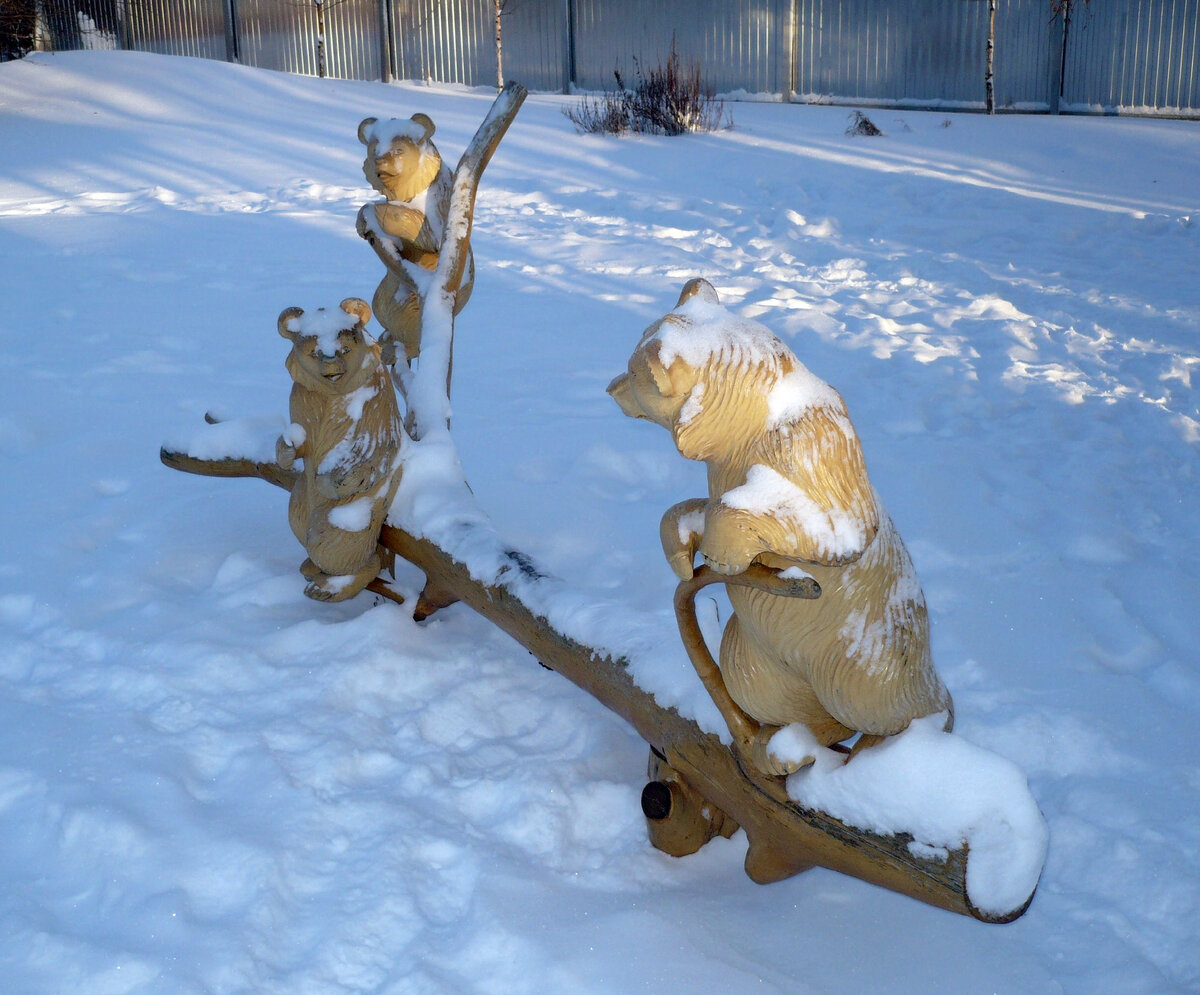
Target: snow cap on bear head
[[401, 160]]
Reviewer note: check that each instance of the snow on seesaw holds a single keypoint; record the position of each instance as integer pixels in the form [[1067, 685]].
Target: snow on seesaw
[[208, 782]]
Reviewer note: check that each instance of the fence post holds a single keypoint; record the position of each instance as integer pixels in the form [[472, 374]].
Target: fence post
[[232, 46], [124, 38], [1058, 60], [386, 35], [785, 60], [569, 67]]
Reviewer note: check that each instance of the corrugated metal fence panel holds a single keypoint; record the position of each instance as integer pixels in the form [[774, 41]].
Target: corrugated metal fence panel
[[734, 42], [282, 34], [1133, 54], [1120, 54], [450, 41], [534, 37], [922, 51], [1027, 53], [272, 35], [78, 25], [177, 27], [353, 42], [850, 48]]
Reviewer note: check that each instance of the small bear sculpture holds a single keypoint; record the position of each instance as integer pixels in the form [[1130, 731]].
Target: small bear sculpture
[[346, 427], [407, 229], [788, 489]]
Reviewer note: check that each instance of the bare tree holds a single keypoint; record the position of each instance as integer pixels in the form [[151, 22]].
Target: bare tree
[[1064, 8], [989, 79], [501, 9], [1060, 8], [320, 6], [17, 21]]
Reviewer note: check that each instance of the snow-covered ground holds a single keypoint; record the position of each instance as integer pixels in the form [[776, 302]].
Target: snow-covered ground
[[211, 783]]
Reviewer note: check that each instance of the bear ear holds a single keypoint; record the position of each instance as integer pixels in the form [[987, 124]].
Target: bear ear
[[285, 316], [425, 122], [357, 307], [669, 379], [698, 287], [364, 127]]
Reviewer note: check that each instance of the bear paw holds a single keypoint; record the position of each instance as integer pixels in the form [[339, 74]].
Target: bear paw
[[340, 587], [779, 752]]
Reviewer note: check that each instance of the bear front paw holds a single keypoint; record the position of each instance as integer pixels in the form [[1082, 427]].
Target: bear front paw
[[720, 567], [285, 453], [387, 349], [681, 530], [729, 544], [683, 564], [362, 226]]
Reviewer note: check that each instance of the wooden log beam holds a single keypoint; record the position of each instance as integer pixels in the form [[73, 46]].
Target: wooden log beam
[[784, 837]]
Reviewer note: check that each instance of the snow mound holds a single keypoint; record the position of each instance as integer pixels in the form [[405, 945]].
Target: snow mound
[[945, 792]]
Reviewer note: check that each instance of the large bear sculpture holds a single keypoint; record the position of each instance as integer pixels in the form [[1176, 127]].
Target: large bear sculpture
[[788, 489]]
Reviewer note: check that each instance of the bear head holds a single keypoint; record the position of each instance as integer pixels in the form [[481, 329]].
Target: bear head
[[704, 375], [785, 464], [401, 160], [332, 351]]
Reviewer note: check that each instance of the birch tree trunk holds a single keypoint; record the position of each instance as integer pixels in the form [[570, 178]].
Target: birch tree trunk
[[320, 37], [499, 9], [989, 77]]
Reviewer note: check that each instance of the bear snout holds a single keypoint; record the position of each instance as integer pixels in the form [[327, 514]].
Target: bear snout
[[621, 391]]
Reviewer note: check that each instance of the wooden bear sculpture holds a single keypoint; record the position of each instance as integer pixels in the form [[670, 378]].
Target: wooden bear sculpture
[[407, 229], [788, 489], [347, 429]]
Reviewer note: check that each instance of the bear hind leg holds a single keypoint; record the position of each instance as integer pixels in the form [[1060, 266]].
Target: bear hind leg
[[323, 586], [772, 692]]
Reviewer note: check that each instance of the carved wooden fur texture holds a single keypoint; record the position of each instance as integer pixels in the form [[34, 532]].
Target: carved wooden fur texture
[[788, 488], [346, 428], [408, 228]]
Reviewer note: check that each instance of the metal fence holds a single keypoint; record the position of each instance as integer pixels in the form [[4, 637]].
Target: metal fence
[[934, 54], [1140, 55], [1109, 56]]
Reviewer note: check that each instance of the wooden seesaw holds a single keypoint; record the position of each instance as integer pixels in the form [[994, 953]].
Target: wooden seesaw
[[699, 787]]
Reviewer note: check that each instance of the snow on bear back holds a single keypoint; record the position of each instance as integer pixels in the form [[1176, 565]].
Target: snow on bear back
[[324, 325], [702, 331], [800, 391]]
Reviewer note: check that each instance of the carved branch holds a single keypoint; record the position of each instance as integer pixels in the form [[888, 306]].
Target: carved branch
[[272, 473], [428, 395], [466, 183], [741, 725]]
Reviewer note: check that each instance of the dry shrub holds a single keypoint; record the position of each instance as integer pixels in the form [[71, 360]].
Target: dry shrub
[[669, 100], [860, 124]]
